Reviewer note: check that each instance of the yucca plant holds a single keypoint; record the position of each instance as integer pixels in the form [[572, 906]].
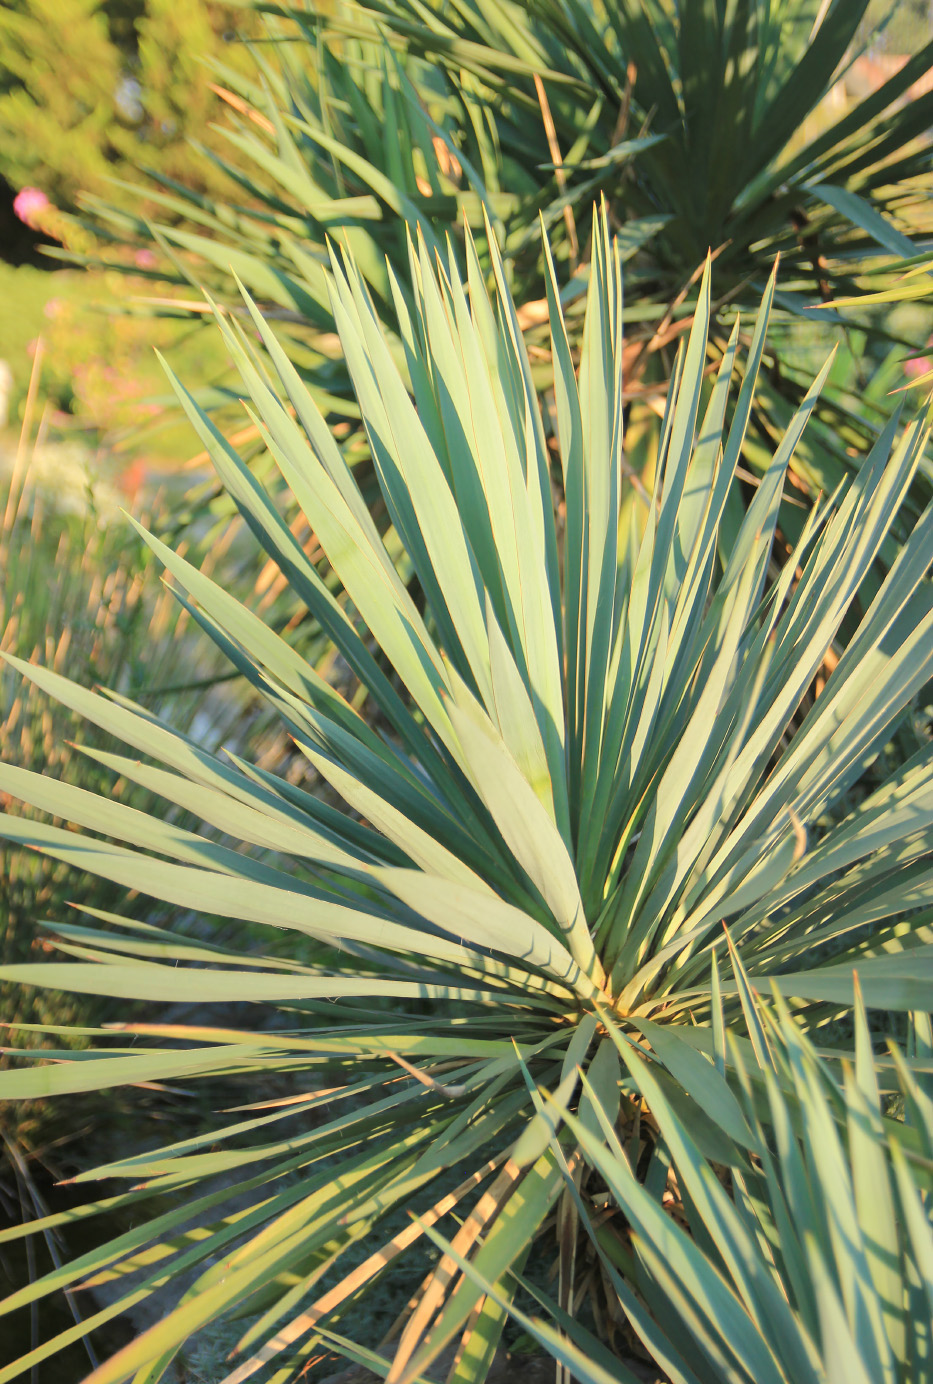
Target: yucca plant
[[742, 156], [696, 122], [592, 741], [388, 111], [339, 135], [818, 1269], [700, 124], [728, 90]]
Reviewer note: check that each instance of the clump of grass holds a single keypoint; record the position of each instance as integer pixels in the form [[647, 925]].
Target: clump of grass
[[75, 594]]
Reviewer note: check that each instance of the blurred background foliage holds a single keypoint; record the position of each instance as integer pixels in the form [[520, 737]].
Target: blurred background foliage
[[900, 28]]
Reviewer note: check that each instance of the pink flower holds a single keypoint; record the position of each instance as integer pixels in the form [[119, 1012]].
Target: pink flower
[[28, 204], [145, 259], [920, 365]]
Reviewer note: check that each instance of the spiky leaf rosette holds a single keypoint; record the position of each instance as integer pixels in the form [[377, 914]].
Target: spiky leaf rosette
[[593, 743]]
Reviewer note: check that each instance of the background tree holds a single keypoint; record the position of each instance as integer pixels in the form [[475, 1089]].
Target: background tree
[[90, 91], [60, 73]]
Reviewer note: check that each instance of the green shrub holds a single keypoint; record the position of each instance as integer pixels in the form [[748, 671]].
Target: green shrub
[[592, 743], [85, 98]]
